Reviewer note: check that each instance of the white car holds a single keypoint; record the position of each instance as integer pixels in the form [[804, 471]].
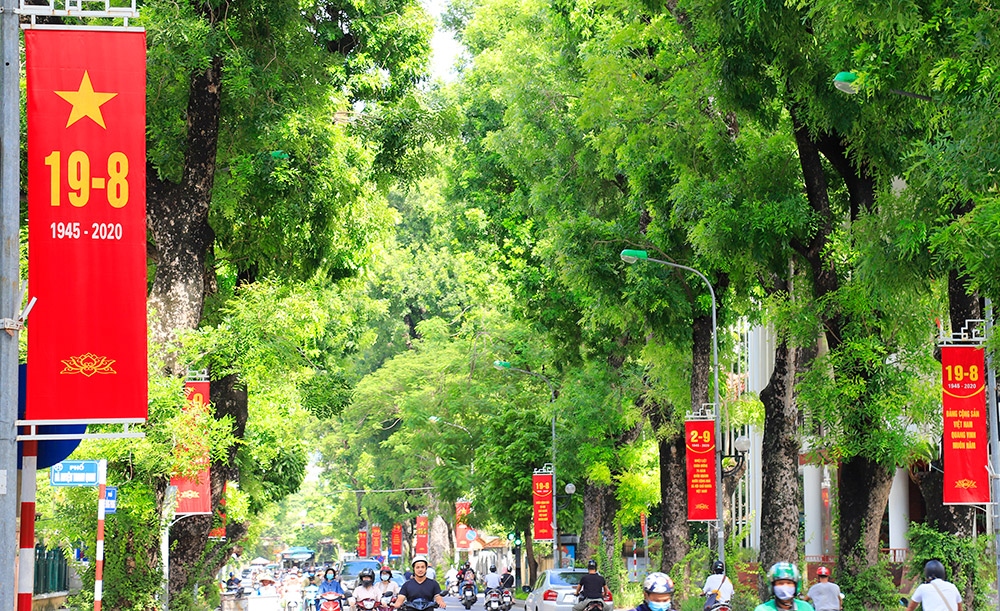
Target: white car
[[554, 591]]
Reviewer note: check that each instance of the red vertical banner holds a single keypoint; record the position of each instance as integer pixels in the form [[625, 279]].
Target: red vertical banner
[[699, 437], [362, 543], [422, 532], [541, 492], [86, 110], [376, 540], [642, 524], [462, 509], [396, 540], [963, 396], [194, 494]]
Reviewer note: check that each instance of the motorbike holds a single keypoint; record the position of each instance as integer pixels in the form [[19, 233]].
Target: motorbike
[[468, 595], [721, 607], [332, 601], [506, 599], [309, 594], [594, 605], [493, 602], [419, 604]]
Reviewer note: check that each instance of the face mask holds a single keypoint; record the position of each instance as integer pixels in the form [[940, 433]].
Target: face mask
[[329, 576], [386, 576], [784, 591], [655, 606]]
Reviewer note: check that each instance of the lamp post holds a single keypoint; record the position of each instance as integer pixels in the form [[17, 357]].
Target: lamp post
[[504, 365], [631, 256]]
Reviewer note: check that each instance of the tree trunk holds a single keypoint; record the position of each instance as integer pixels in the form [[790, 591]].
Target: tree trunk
[[593, 518], [529, 556], [673, 501], [863, 494], [779, 516]]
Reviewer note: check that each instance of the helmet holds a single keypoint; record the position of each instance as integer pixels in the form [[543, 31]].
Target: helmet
[[784, 570], [510, 569], [591, 565], [718, 567], [493, 568], [386, 569], [370, 573], [822, 572], [466, 565], [658, 583], [933, 570], [417, 559]]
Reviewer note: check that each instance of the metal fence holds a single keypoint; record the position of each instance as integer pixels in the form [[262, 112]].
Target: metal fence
[[51, 571]]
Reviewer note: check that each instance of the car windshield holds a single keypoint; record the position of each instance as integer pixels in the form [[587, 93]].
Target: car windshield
[[565, 579], [356, 566]]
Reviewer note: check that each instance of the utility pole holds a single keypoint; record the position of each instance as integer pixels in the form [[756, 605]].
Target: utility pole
[[10, 196]]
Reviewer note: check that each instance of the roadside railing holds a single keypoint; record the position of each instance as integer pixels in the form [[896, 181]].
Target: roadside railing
[[51, 571]]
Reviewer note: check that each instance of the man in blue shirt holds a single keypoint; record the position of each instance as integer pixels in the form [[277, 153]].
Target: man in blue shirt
[[419, 586]]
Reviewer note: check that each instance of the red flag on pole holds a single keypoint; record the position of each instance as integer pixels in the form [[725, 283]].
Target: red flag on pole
[[396, 540], [700, 440], [462, 509], [963, 384], [422, 531], [541, 486], [194, 494], [86, 108], [376, 540], [362, 543]]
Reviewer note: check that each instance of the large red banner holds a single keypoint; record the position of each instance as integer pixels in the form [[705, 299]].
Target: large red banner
[[541, 492], [963, 384], [699, 437], [194, 494], [376, 540], [362, 543], [422, 532], [462, 509], [86, 108], [396, 540]]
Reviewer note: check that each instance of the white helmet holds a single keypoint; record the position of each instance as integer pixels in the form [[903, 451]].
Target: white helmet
[[417, 559], [658, 583]]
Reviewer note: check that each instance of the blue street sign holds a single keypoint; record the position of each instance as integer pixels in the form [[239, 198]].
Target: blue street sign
[[110, 499], [74, 473]]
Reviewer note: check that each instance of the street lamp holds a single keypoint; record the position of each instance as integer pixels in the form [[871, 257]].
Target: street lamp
[[506, 366], [631, 256]]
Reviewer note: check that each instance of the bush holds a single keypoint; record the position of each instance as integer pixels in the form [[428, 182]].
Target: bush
[[966, 560]]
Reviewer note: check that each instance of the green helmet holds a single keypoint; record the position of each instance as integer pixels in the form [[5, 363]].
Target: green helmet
[[784, 570]]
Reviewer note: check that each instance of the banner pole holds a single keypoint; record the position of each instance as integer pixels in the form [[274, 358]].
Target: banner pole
[[10, 192], [26, 559], [102, 480], [994, 429]]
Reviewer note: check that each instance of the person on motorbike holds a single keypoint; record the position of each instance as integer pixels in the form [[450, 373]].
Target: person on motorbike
[[451, 579], [824, 595], [935, 593], [469, 576], [592, 586], [785, 583], [291, 588], [233, 582], [492, 579], [329, 585], [267, 586], [507, 579], [385, 583], [657, 593], [419, 586], [719, 584], [365, 590]]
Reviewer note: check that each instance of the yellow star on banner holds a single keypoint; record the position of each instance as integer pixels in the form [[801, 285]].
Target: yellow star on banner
[[86, 102]]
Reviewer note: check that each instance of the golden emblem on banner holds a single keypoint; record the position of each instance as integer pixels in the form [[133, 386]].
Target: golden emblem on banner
[[965, 484], [88, 364], [701, 506]]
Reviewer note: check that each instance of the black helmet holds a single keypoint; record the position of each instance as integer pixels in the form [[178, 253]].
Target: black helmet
[[933, 570], [718, 567], [591, 565], [493, 568], [369, 573]]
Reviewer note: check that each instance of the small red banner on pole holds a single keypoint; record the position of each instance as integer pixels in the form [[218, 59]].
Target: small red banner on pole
[[541, 491], [362, 543], [701, 456], [194, 494], [422, 531], [86, 109], [462, 509], [396, 540], [376, 540], [963, 396]]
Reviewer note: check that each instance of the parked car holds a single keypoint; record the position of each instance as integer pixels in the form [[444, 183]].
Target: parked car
[[350, 569], [554, 591]]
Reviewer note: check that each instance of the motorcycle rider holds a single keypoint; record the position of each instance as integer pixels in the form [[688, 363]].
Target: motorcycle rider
[[719, 583], [451, 580], [824, 595], [507, 579], [657, 592], [785, 583], [385, 583], [365, 589], [267, 587], [492, 579], [232, 583], [592, 585], [329, 585], [935, 593], [419, 586], [469, 576]]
